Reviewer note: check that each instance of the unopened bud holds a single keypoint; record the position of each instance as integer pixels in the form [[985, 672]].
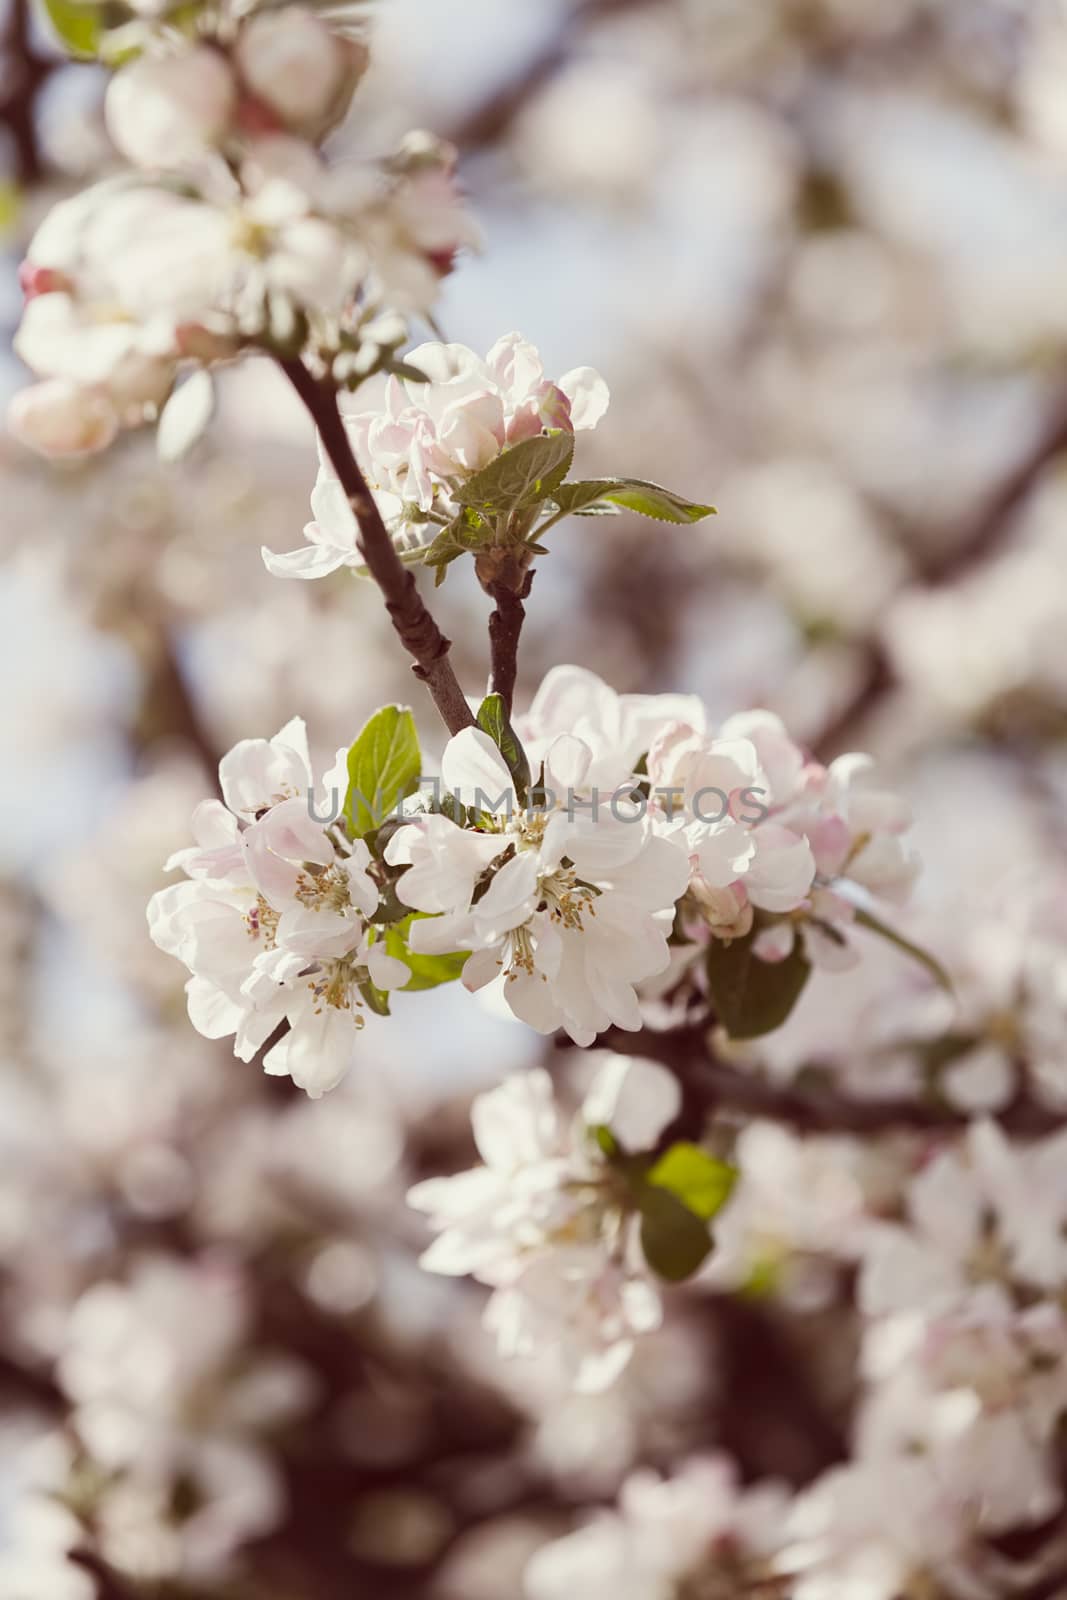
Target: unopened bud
[[167, 110], [299, 69], [58, 418]]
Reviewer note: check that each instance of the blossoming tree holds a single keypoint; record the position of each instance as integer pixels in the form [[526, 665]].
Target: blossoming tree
[[619, 872]]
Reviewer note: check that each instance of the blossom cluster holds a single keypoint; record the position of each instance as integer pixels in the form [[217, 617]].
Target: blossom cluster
[[431, 436], [569, 905], [547, 1223], [228, 231], [272, 918]]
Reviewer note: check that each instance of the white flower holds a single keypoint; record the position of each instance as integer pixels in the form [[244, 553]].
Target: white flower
[[295, 65], [431, 436], [164, 1389], [873, 1529], [272, 919], [792, 838], [979, 1392], [989, 1213], [166, 111], [698, 1527], [618, 728], [729, 808], [544, 1224], [572, 908]]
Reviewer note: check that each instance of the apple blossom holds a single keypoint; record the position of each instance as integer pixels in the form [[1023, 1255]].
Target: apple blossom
[[546, 1225], [696, 1532], [170, 110], [298, 67], [432, 436], [272, 918], [573, 910]]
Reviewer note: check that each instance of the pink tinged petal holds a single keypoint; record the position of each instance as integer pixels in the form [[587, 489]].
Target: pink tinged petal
[[830, 839], [636, 1099], [780, 876], [525, 424], [588, 394], [214, 826], [725, 853], [515, 365], [274, 877], [554, 408], [291, 832], [482, 967], [775, 943], [442, 363]]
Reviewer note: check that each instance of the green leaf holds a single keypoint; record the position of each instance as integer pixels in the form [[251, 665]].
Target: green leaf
[[465, 533], [523, 475], [675, 1241], [600, 496], [384, 766], [586, 497], [77, 26], [866, 919], [493, 719], [427, 972], [752, 997], [604, 1139], [702, 1183]]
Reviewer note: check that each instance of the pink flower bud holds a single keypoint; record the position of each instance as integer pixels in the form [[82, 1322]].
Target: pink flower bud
[[57, 418], [292, 63], [35, 280], [163, 111]]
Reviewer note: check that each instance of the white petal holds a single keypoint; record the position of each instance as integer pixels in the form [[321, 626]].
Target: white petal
[[474, 770], [311, 561], [588, 394], [636, 1099]]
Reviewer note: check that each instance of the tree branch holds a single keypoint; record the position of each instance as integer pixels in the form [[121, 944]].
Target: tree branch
[[416, 628], [505, 628], [979, 542], [709, 1085]]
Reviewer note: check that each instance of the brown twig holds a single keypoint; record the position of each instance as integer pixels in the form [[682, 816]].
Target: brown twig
[[487, 123], [21, 81], [505, 629], [710, 1085], [416, 628], [979, 542]]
